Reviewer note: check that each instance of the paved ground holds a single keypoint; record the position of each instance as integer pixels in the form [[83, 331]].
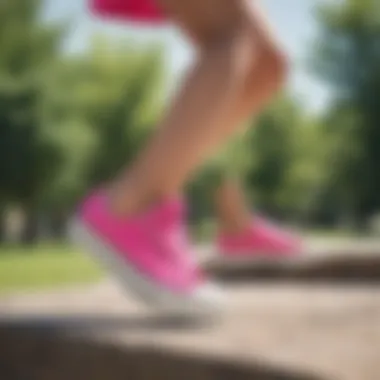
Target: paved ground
[[329, 331]]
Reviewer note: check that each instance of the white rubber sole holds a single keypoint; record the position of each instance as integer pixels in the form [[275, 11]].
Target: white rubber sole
[[204, 299]]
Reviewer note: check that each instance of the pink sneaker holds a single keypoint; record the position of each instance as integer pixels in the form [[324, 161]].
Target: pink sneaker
[[149, 253], [262, 241]]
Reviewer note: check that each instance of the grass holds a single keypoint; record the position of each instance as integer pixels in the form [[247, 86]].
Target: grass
[[47, 266], [44, 267]]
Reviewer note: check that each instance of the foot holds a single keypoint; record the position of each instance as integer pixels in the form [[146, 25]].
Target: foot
[[260, 240], [149, 253]]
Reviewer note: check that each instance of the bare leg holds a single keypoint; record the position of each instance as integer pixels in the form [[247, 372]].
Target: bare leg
[[231, 207], [230, 47], [230, 204]]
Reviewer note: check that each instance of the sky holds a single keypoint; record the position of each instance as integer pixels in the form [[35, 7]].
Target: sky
[[291, 19]]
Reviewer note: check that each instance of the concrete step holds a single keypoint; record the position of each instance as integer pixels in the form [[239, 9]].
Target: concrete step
[[271, 331], [350, 261]]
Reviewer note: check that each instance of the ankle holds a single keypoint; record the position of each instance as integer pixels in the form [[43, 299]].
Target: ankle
[[232, 226], [127, 199]]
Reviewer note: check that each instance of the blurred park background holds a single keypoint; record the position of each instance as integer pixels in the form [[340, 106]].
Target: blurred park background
[[79, 96]]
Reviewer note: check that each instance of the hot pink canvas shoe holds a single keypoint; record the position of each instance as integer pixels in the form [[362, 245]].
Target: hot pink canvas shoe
[[261, 240], [149, 253], [143, 11]]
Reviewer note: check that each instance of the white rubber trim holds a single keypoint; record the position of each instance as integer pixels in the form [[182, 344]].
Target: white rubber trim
[[204, 299]]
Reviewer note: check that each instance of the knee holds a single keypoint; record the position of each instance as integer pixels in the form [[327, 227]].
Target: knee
[[237, 45], [267, 56], [248, 49], [275, 63]]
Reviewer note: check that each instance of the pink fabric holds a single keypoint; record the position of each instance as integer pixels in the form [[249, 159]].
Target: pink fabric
[[261, 238], [154, 243], [134, 10]]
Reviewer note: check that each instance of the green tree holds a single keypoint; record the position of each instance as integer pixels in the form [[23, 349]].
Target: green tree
[[348, 58], [272, 145], [99, 108], [136, 93], [28, 48]]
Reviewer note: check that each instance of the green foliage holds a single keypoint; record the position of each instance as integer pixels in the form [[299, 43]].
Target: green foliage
[[99, 108], [28, 49], [349, 59], [68, 123], [272, 147]]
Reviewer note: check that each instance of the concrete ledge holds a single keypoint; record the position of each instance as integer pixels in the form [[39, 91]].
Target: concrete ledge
[[267, 332], [353, 263], [354, 269], [27, 354]]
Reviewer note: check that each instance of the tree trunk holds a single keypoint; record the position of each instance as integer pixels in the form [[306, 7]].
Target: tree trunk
[[2, 224], [29, 234], [58, 222]]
